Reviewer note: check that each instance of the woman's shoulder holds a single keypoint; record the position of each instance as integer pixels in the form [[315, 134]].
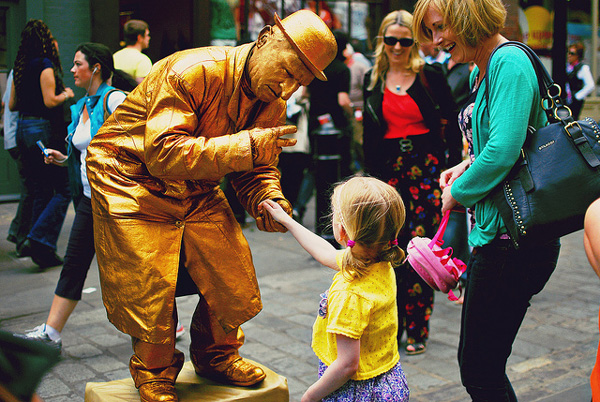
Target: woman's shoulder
[[434, 75], [509, 56], [44, 62], [367, 77], [40, 63], [512, 64], [434, 69], [114, 97]]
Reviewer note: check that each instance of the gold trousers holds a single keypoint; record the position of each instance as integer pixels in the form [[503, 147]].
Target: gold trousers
[[211, 349]]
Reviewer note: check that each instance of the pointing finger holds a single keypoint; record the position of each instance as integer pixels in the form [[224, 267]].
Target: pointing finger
[[286, 142], [283, 130]]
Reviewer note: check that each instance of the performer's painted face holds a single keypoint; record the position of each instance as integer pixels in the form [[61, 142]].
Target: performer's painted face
[[275, 70]]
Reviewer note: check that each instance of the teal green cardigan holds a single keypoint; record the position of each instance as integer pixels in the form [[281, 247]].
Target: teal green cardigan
[[499, 131]]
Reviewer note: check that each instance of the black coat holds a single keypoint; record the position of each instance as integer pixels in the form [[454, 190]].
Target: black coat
[[433, 106]]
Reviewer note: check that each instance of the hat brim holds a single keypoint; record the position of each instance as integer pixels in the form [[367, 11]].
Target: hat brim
[[313, 69]]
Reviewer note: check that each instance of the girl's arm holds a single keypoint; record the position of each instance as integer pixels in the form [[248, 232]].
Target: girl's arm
[[319, 248], [48, 85], [340, 371]]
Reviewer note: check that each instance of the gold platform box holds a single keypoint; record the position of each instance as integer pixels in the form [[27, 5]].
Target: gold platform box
[[191, 387]]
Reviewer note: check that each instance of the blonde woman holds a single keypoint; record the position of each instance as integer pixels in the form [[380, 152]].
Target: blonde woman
[[502, 280], [404, 103]]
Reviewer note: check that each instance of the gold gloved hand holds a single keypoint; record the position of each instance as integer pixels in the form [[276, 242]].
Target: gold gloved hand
[[266, 143], [265, 221]]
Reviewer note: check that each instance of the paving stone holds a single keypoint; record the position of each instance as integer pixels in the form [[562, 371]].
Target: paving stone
[[65, 398], [82, 351], [52, 386], [261, 353], [103, 364], [117, 374], [561, 325]]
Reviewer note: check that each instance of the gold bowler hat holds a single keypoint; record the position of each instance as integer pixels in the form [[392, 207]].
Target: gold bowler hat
[[311, 38]]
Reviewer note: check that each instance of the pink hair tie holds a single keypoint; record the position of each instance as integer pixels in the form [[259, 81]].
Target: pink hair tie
[[393, 242], [350, 243]]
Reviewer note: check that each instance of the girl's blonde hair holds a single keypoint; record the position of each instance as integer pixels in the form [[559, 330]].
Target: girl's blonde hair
[[372, 214], [472, 21], [382, 63]]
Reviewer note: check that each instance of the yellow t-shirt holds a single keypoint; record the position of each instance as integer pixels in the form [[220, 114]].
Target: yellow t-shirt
[[365, 309], [133, 62]]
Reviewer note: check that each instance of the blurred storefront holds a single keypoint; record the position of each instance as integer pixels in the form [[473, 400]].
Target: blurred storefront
[[546, 25]]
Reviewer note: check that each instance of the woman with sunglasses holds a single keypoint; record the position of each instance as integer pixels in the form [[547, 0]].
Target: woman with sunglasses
[[405, 102]]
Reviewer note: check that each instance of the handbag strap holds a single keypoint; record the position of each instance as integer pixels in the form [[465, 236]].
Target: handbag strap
[[441, 230], [552, 103]]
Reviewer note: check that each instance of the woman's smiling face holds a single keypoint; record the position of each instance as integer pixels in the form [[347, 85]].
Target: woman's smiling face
[[445, 38], [398, 54]]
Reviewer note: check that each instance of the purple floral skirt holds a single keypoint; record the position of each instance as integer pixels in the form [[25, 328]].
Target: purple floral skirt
[[390, 386]]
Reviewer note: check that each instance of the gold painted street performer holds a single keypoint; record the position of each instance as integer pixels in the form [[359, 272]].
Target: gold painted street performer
[[160, 219]]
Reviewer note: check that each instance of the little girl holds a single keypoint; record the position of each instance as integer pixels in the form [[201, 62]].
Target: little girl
[[354, 335]]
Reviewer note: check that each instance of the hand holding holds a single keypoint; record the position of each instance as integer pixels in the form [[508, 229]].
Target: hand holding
[[448, 176], [54, 157], [267, 144], [266, 220], [448, 201], [275, 210]]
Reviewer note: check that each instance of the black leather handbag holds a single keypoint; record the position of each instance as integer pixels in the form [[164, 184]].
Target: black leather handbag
[[546, 194]]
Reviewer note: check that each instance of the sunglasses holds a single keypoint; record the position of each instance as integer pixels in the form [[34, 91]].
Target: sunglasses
[[572, 53], [392, 40]]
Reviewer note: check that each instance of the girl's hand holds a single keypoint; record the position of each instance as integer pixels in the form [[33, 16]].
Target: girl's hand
[[55, 157], [307, 398], [276, 211], [450, 175]]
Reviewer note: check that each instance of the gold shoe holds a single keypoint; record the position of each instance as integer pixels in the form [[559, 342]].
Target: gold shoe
[[240, 373], [158, 391]]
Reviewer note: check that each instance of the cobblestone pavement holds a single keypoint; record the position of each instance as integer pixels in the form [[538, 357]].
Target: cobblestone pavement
[[551, 360]]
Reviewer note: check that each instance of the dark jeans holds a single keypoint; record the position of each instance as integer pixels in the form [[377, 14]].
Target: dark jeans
[[80, 253], [42, 180], [576, 106], [500, 285], [21, 223]]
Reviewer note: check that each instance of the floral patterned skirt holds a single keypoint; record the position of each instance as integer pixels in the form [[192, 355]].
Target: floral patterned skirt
[[390, 386]]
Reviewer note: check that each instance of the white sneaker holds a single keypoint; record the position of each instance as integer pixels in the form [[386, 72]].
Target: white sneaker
[[180, 330], [39, 334]]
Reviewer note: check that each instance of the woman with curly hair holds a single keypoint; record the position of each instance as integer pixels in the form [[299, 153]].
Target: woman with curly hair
[[38, 94], [405, 102]]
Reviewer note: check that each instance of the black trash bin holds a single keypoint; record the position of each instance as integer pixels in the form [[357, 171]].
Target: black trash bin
[[327, 160]]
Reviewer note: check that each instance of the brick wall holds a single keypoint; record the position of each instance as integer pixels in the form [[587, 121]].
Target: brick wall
[[511, 29]]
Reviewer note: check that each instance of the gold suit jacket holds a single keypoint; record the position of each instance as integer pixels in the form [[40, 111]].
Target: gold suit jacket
[[154, 168]]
